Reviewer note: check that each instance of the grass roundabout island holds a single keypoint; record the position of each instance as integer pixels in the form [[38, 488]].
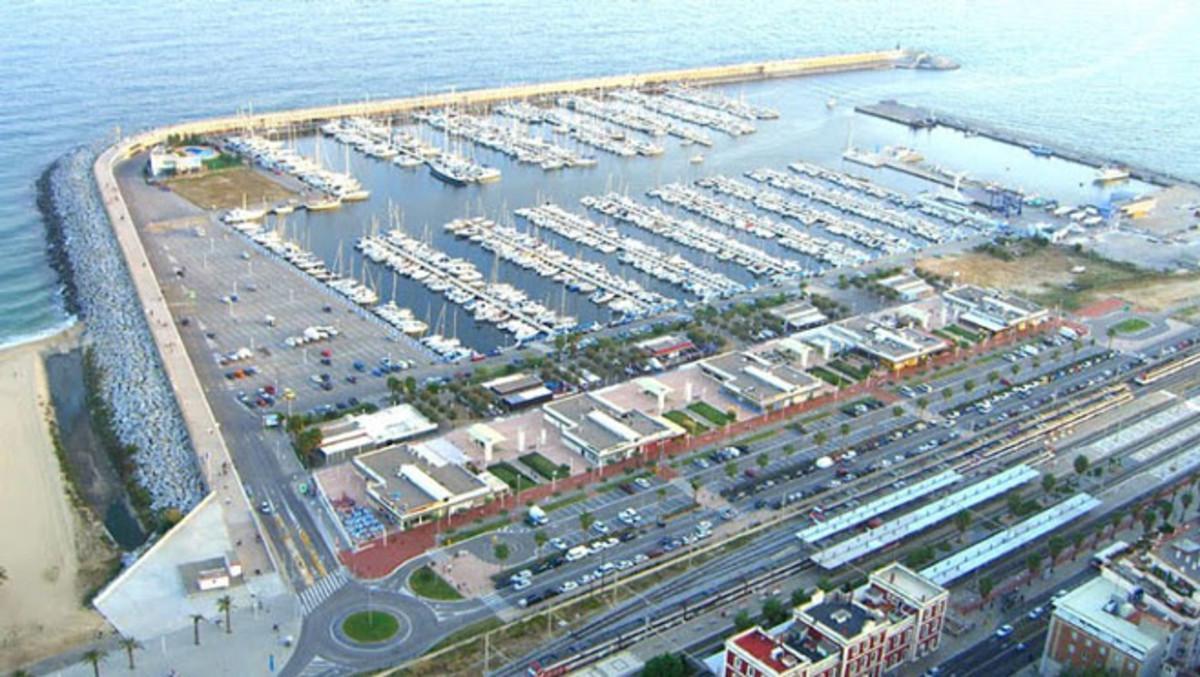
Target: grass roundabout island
[[370, 627]]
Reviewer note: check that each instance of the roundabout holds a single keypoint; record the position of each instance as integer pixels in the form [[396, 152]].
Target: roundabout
[[370, 627]]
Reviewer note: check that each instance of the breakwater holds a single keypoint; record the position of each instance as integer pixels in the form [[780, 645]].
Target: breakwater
[[144, 413], [708, 75]]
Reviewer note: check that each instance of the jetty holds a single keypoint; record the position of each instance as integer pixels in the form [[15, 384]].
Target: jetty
[[918, 117]]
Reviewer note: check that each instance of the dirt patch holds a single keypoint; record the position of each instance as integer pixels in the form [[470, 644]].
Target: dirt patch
[[229, 188], [470, 575], [54, 553], [1046, 276]]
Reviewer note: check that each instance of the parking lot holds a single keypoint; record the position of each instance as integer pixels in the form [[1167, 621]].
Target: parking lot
[[243, 305]]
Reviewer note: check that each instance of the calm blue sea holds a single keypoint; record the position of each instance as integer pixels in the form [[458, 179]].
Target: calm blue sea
[[1115, 77]]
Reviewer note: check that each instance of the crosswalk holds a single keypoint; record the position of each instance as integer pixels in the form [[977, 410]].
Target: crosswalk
[[312, 597], [319, 667]]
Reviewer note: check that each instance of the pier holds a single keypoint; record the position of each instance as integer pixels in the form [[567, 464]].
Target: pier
[[604, 288], [928, 118], [693, 235], [647, 258]]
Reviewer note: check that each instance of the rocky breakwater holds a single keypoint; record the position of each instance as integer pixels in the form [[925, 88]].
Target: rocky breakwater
[[143, 411]]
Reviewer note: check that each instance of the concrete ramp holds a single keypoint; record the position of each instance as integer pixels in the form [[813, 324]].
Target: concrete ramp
[[157, 596]]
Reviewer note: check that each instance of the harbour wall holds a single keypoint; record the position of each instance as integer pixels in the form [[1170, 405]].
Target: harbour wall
[[707, 75]]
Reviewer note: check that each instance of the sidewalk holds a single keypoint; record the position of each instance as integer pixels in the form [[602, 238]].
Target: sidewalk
[[253, 648]]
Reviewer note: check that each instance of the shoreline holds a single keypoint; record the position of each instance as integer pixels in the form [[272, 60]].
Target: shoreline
[[55, 551]]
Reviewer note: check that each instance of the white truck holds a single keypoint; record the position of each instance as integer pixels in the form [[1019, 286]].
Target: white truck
[[536, 517]]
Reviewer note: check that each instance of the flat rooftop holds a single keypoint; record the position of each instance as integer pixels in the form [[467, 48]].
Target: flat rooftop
[[1099, 608], [843, 617], [392, 424], [603, 426], [756, 377], [907, 582], [418, 475]]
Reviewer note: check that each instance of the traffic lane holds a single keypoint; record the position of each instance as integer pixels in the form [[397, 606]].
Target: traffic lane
[[645, 543]]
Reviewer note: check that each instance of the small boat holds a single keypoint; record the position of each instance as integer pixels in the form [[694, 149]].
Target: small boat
[[1111, 174], [1041, 151], [697, 159], [831, 103]]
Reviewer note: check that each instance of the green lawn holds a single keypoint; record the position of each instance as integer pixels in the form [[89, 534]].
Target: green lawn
[[370, 626], [426, 583], [711, 413], [514, 478], [830, 377], [544, 466], [757, 437], [963, 333], [686, 422], [1131, 326]]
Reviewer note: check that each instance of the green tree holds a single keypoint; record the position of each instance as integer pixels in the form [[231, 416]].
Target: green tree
[[93, 658], [130, 645], [501, 551], [968, 385], [225, 605], [586, 520], [539, 539], [763, 460], [1149, 517], [922, 403], [820, 438], [1055, 545], [1081, 464], [897, 411], [666, 665], [947, 394], [844, 429], [743, 621], [800, 596], [695, 484], [774, 611], [993, 376], [1033, 562], [1015, 369], [962, 521], [789, 449], [731, 469], [986, 586], [1048, 482]]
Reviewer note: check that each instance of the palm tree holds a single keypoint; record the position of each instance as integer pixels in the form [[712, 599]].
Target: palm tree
[[196, 618], [696, 484], [130, 645], [225, 605], [94, 656]]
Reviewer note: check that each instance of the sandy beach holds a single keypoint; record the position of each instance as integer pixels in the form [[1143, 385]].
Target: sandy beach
[[51, 555]]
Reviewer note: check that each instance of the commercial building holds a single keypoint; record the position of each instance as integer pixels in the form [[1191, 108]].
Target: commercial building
[[1141, 616], [799, 315], [895, 618], [908, 287], [602, 432], [993, 310], [517, 391], [761, 380], [1104, 624], [346, 438], [425, 481], [668, 350], [174, 161], [895, 341]]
